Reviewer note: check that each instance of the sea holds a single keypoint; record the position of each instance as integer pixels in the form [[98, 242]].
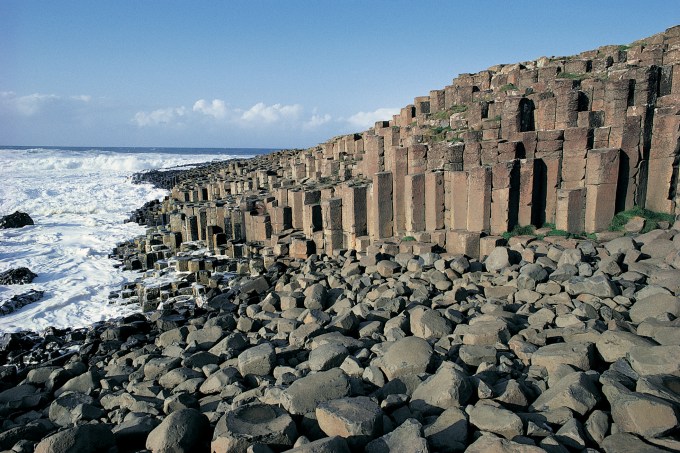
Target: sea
[[79, 199]]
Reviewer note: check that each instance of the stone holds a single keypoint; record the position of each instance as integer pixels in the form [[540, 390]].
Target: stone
[[500, 258], [578, 355], [305, 394], [406, 438], [575, 391], [358, 419], [327, 356], [258, 360], [475, 355], [134, 430], [71, 407], [448, 387], [628, 443], [17, 276], [387, 268], [428, 324], [496, 420], [32, 431], [449, 432], [326, 445], [409, 355], [253, 424], [615, 344], [493, 444], [24, 396], [15, 220], [654, 306], [648, 360], [316, 297], [185, 430], [660, 416], [598, 285], [80, 439]]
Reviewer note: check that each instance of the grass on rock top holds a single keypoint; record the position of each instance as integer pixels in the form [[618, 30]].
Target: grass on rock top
[[652, 219]]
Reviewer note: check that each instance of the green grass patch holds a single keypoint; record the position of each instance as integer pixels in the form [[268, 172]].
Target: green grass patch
[[508, 87], [408, 239], [652, 219], [445, 114], [526, 230]]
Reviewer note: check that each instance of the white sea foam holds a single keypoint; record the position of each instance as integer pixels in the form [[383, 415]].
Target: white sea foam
[[79, 200]]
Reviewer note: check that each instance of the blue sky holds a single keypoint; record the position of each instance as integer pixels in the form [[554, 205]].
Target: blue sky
[[267, 73]]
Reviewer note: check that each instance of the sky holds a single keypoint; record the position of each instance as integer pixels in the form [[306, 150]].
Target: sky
[[267, 73]]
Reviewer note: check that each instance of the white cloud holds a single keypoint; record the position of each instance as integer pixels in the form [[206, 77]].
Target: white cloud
[[217, 108], [364, 120], [33, 104], [159, 116], [317, 120], [261, 112]]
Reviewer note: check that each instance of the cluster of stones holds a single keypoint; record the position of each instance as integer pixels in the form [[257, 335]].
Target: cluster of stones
[[567, 141], [547, 345], [20, 275]]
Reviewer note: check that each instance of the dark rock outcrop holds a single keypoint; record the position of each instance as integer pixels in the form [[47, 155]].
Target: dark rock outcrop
[[16, 220]]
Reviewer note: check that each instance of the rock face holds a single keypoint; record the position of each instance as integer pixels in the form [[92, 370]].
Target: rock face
[[18, 276], [291, 322], [16, 220], [20, 300]]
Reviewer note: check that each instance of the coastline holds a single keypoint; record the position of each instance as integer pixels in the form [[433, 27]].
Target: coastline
[[432, 352]]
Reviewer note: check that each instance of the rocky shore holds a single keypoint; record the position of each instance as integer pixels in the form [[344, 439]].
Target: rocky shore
[[445, 281], [549, 344]]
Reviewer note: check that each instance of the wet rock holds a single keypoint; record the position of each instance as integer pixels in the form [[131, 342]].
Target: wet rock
[[16, 220], [18, 301], [17, 276]]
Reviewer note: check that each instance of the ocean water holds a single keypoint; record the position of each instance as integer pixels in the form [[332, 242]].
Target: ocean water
[[79, 199]]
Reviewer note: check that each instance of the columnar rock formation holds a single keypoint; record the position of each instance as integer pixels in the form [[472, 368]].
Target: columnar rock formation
[[567, 141]]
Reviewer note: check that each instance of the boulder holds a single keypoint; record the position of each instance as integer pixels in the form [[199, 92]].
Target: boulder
[[326, 445], [406, 438], [449, 432], [598, 285], [358, 419], [252, 424], [327, 356], [409, 355], [448, 387], [496, 420], [628, 443], [80, 439], [305, 394], [653, 306], [493, 444], [183, 431], [429, 324], [578, 355], [646, 360], [615, 344], [575, 391], [258, 360]]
